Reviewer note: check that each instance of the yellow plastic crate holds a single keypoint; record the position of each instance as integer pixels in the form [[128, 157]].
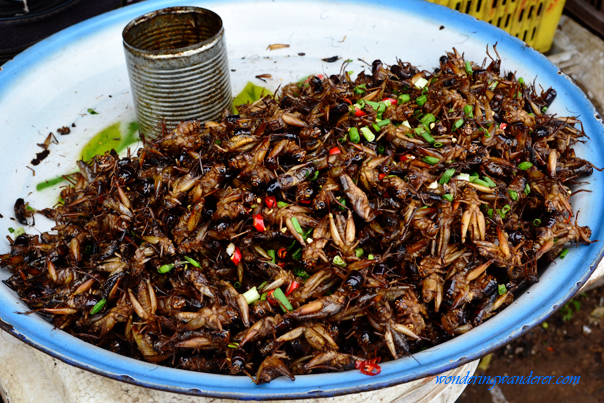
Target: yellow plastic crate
[[533, 21]]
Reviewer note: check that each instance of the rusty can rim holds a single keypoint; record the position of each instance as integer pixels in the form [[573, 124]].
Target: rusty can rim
[[178, 52]]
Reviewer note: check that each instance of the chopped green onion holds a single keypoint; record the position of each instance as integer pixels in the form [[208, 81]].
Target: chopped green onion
[[448, 197], [236, 284], [406, 123], [374, 105], [261, 286], [422, 132], [431, 160], [233, 345], [315, 176], [521, 80], [505, 209], [217, 141], [501, 289], [527, 189], [458, 124], [165, 268], [447, 176], [469, 67], [404, 98], [193, 262], [493, 85], [343, 203], [380, 149], [361, 103], [360, 89], [92, 111], [451, 110], [536, 222], [513, 194], [525, 165], [297, 254], [427, 119], [490, 212], [30, 208], [98, 306], [301, 273], [251, 295], [489, 181], [375, 127], [437, 145], [353, 135], [307, 233], [480, 182], [421, 82], [282, 204], [381, 107], [358, 252], [464, 177], [544, 109], [338, 261], [369, 136], [421, 100], [467, 109], [278, 294], [383, 123], [11, 230], [370, 257], [564, 253]]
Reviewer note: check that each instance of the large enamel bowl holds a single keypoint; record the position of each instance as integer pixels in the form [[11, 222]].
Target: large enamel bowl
[[53, 84]]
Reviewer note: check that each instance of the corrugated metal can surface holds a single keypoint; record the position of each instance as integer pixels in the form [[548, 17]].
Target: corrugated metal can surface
[[178, 67]]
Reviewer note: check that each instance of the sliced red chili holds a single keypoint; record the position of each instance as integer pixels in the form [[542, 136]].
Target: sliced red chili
[[348, 101], [282, 253], [270, 201], [381, 176], [503, 126], [305, 201], [392, 101], [271, 298], [259, 222], [403, 158], [292, 286], [236, 258], [334, 151], [281, 264], [358, 112]]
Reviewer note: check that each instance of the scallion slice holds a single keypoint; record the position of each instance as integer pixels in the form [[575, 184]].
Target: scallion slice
[[448, 197], [421, 100], [338, 261], [273, 255], [513, 194], [431, 160], [285, 304], [369, 136], [353, 135], [446, 176], [458, 124], [525, 165], [564, 253], [297, 226], [251, 295]]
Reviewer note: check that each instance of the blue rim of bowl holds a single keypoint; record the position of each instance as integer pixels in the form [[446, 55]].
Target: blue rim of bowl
[[438, 359]]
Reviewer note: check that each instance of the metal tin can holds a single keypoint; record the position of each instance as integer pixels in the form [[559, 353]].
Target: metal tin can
[[178, 67]]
